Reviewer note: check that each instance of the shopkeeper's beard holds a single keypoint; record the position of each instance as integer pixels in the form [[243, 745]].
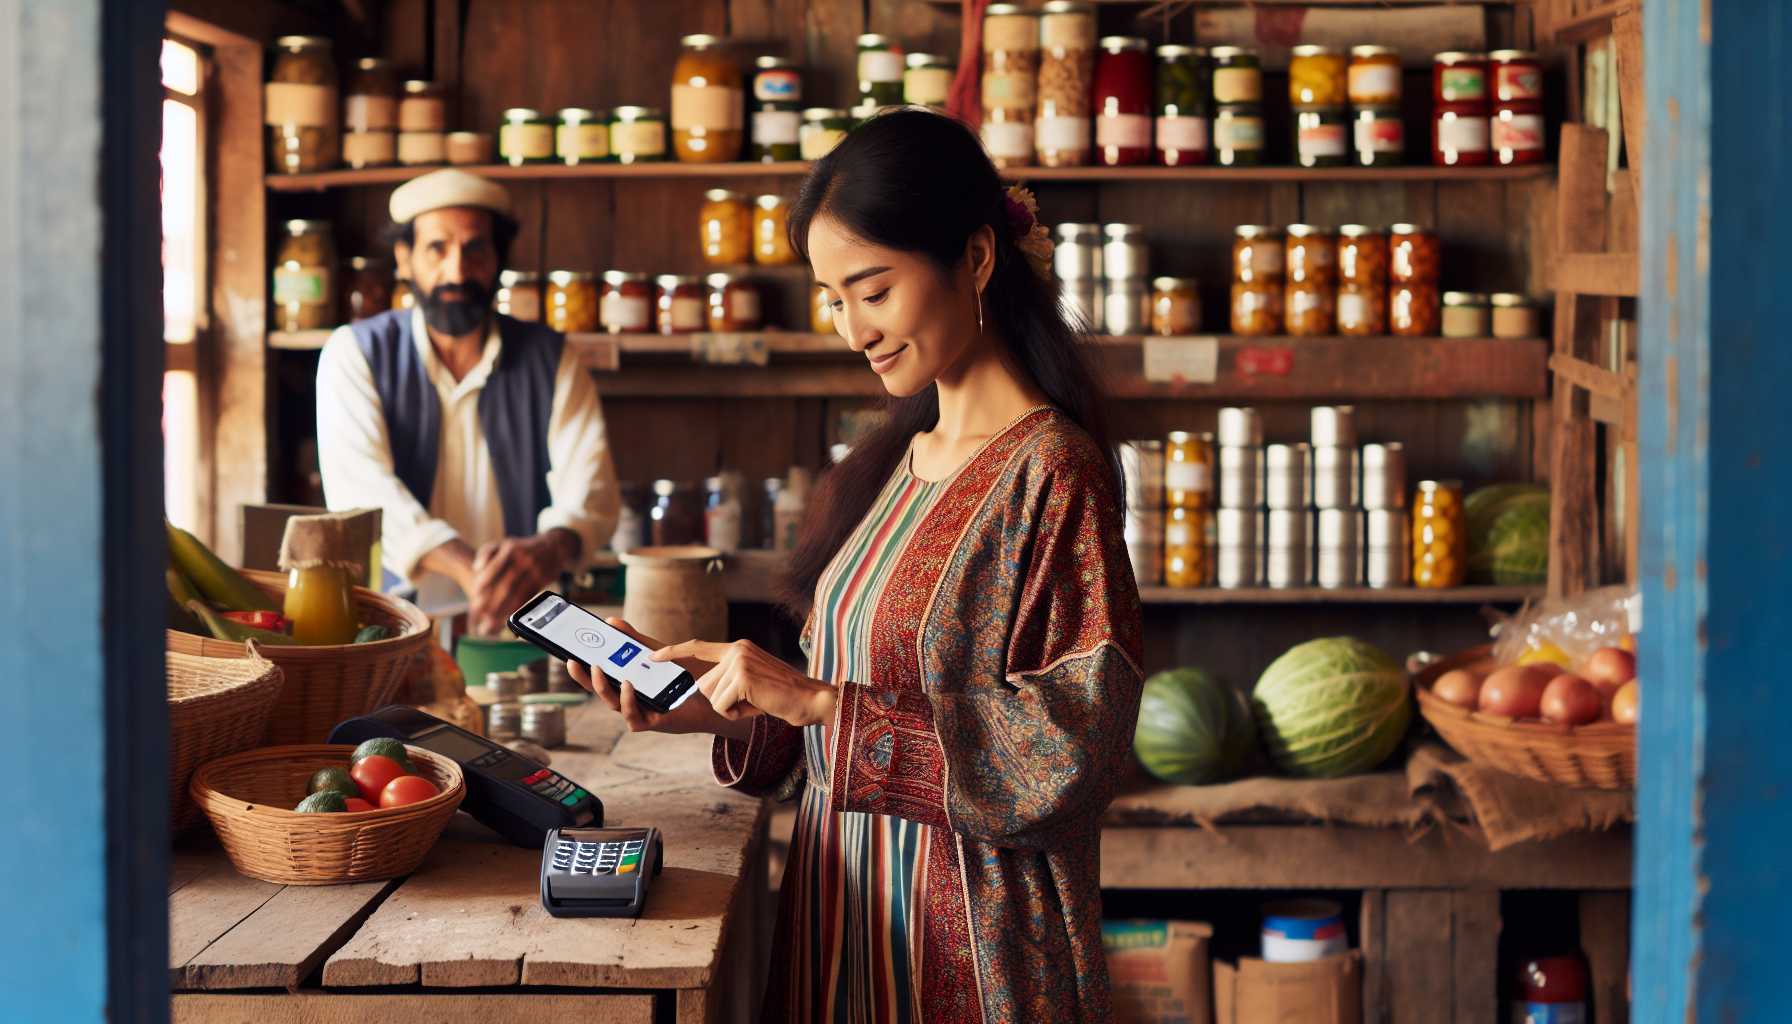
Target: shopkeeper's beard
[[455, 309]]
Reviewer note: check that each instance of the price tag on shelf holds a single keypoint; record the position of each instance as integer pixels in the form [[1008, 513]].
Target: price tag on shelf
[[1182, 360], [731, 349]]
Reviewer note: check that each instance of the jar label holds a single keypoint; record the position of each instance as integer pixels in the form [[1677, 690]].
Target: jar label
[[1353, 311], [1380, 135], [363, 113], [1374, 83], [1014, 33], [1059, 134], [1318, 140], [705, 106], [1123, 131], [422, 114], [520, 303], [638, 138], [307, 106], [1234, 132], [369, 149], [1237, 85], [1462, 133], [525, 142], [626, 313], [1518, 82], [1518, 132], [421, 147], [880, 66], [687, 313], [1067, 31], [1010, 140], [1187, 476], [1179, 535], [926, 86], [306, 286], [1555, 1013], [583, 141], [1182, 134], [1459, 85], [819, 142], [743, 305], [1008, 90], [778, 85], [777, 127]]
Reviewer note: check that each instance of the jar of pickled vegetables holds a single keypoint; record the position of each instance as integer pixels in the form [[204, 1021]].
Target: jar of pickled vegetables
[[927, 80], [638, 135], [1362, 310], [1188, 470], [1379, 137], [771, 231], [1067, 62], [1311, 254], [526, 136], [1184, 106], [1373, 78], [1439, 536], [627, 303], [706, 102], [1362, 256], [777, 80], [1175, 306], [1238, 135], [1316, 77], [304, 127], [725, 227], [1237, 75], [683, 306], [1258, 254], [880, 71], [572, 301], [823, 128], [1413, 254], [304, 291], [1257, 308], [733, 304], [1010, 83], [582, 136], [1322, 137], [1185, 547], [519, 295], [1308, 308], [1413, 310]]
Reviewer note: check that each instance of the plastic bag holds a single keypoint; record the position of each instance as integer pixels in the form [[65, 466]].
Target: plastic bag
[[1568, 631]]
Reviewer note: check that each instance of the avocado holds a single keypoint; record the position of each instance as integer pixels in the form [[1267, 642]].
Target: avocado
[[323, 802], [333, 778], [369, 634], [387, 747]]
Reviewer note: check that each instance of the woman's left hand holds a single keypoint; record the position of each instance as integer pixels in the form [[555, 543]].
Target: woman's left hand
[[746, 681]]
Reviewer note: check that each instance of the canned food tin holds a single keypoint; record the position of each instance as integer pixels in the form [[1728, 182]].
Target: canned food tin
[[1188, 470], [1334, 426], [1077, 254], [1339, 560], [1185, 547], [1298, 931], [1386, 527], [1241, 477], [1143, 464], [1123, 253], [1335, 477], [1287, 484], [1287, 528], [1236, 562], [1125, 306], [1236, 527], [1239, 426], [1384, 475], [1388, 568], [1287, 568], [1145, 546]]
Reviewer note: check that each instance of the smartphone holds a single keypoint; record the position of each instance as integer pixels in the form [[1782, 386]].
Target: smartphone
[[569, 632]]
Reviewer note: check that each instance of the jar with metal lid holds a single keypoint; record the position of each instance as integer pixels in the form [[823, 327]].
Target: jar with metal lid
[[676, 516], [1362, 310], [1123, 252], [1188, 470], [525, 136], [1338, 550], [1514, 316], [1322, 137], [519, 295], [1517, 76], [1258, 253], [1309, 308], [1257, 308], [821, 310], [1125, 306], [304, 130], [572, 302], [880, 71], [582, 136], [1067, 77], [1387, 552], [1311, 254], [1516, 132], [369, 149], [1317, 77], [683, 306], [733, 304], [626, 304], [1287, 484], [1175, 306], [771, 231], [777, 120], [1239, 426], [725, 228], [1384, 475], [1362, 256], [1379, 137], [1123, 102], [1439, 535], [370, 103], [1460, 136], [637, 135], [1184, 106], [706, 102], [468, 148], [927, 80], [777, 80], [1466, 315], [1373, 78], [1413, 310], [1458, 77], [1413, 255], [304, 290], [823, 128], [1237, 75], [1185, 547], [366, 288], [1238, 135], [423, 107], [722, 513], [1010, 83], [422, 149]]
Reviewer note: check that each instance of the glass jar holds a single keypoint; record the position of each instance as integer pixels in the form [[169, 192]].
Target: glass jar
[[1373, 78], [1311, 254], [1238, 135], [1010, 83], [1066, 84], [683, 304], [1317, 77], [1516, 132], [1413, 255], [525, 136], [1185, 547], [1258, 254], [304, 276], [777, 80], [1380, 137], [1466, 315], [320, 604], [572, 301], [1188, 470], [1459, 77], [1308, 309], [468, 148], [928, 80], [366, 288], [1362, 310], [638, 135], [1257, 308], [1175, 306], [725, 228], [1321, 138], [1412, 310], [771, 232], [626, 303], [299, 103], [519, 295], [369, 149], [880, 71], [676, 516], [1459, 136], [721, 514], [1439, 539], [1184, 105], [706, 103], [823, 128], [1515, 316], [777, 121], [733, 304], [422, 149], [424, 107], [1123, 102], [370, 104], [1362, 256], [1237, 75], [582, 136], [1517, 76]]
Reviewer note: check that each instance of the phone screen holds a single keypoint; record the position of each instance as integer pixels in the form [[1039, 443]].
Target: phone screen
[[602, 646]]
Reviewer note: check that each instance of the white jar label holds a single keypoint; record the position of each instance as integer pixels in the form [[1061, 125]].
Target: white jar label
[[705, 106], [1380, 135], [926, 86], [1008, 90], [1058, 134], [421, 147], [777, 127], [1322, 140], [422, 114], [1009, 140], [1462, 133], [880, 66], [1238, 133], [525, 141], [628, 313], [1067, 31], [1353, 308], [369, 149], [1123, 131], [638, 138], [1012, 32], [1184, 134], [1518, 132], [1237, 85], [584, 141], [307, 106], [1188, 476], [1379, 82], [688, 314], [370, 113]]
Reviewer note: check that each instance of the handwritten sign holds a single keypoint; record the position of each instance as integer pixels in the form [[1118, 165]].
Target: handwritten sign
[[1182, 361]]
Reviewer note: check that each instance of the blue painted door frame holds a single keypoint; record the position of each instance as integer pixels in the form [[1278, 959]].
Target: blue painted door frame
[[1714, 840]]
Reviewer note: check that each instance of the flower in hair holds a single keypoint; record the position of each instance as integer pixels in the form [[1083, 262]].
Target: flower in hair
[[1034, 242]]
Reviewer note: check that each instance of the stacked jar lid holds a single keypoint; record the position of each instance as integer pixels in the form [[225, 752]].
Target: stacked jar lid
[[1238, 521], [1488, 108]]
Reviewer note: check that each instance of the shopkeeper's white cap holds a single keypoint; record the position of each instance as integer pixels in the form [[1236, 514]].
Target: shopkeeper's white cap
[[440, 189]]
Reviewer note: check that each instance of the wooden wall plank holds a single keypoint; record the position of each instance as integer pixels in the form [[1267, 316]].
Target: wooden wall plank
[[1420, 960], [1372, 939], [1605, 938], [1475, 950]]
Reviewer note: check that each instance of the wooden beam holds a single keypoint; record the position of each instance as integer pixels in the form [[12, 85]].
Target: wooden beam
[[1595, 379], [1597, 273], [413, 1008], [1475, 944], [1605, 939]]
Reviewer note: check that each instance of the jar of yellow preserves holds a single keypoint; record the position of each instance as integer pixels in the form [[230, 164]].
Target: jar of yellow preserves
[[1317, 76], [1185, 547], [771, 231], [1188, 470], [1439, 536], [725, 227]]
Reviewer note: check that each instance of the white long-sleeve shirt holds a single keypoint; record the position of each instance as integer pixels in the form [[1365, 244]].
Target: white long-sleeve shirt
[[355, 456]]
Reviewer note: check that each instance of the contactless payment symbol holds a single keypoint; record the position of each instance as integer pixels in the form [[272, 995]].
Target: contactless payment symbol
[[624, 655], [591, 638]]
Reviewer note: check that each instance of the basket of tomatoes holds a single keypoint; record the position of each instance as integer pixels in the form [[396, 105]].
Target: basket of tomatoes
[[322, 814]]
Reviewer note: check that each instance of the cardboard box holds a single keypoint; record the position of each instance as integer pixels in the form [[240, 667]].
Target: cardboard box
[[1159, 971], [264, 527], [1328, 991]]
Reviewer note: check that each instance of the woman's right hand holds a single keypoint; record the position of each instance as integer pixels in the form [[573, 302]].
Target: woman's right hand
[[694, 715]]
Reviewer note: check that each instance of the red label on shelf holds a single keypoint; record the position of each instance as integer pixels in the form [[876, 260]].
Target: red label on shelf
[[1265, 361]]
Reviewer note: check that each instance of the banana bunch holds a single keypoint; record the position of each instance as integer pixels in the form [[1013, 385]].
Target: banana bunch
[[203, 592]]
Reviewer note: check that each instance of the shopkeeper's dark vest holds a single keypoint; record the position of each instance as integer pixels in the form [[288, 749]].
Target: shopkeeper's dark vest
[[514, 407]]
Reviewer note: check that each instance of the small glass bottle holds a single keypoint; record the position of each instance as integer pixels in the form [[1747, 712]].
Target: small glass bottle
[[721, 516]]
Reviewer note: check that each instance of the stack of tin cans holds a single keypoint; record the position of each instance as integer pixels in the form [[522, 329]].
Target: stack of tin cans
[[1143, 464], [1337, 499], [1238, 521], [1387, 555]]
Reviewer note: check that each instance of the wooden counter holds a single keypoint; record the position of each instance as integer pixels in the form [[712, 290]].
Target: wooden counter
[[465, 938]]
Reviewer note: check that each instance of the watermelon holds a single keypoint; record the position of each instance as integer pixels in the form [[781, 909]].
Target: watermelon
[[1508, 534], [1193, 728], [1332, 707]]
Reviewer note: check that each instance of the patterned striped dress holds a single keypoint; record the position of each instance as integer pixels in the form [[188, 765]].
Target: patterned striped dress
[[943, 864]]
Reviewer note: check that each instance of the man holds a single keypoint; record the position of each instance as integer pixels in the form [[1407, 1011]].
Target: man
[[479, 437]]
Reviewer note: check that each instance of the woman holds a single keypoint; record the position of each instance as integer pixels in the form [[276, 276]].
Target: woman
[[972, 620]]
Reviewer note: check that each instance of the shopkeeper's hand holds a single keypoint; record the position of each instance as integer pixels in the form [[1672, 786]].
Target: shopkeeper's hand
[[510, 571], [747, 681], [694, 715]]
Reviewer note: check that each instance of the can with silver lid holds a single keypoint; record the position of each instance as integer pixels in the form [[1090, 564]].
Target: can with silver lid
[[504, 721], [1339, 560], [1287, 561], [1145, 544], [1241, 477], [545, 724], [505, 686], [1384, 475], [1082, 299], [1236, 548], [1287, 484], [1239, 426], [1077, 252], [1335, 477], [1125, 306], [1123, 252], [1334, 426], [1387, 549], [1143, 464]]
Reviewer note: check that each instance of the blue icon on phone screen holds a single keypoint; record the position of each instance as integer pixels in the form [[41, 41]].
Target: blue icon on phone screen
[[624, 654]]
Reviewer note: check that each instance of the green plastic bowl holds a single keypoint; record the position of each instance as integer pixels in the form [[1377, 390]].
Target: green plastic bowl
[[478, 655]]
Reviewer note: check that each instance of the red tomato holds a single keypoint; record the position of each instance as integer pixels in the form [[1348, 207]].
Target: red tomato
[[407, 789], [371, 775], [355, 803]]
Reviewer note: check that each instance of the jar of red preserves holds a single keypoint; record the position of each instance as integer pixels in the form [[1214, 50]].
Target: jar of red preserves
[[1555, 988], [627, 303], [683, 304], [733, 304], [1517, 76], [1459, 77], [1515, 132], [1460, 136], [1123, 102]]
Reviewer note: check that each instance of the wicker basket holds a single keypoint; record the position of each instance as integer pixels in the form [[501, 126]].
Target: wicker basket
[[325, 685], [216, 706], [249, 797], [1601, 754]]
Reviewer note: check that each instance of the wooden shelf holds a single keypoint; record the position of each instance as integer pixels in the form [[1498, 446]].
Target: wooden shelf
[[298, 341], [1354, 595], [348, 178], [1407, 172]]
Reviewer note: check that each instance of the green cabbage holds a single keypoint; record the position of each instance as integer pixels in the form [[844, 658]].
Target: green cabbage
[[1331, 707]]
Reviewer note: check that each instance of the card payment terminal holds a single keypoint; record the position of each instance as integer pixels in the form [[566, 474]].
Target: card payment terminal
[[598, 872]]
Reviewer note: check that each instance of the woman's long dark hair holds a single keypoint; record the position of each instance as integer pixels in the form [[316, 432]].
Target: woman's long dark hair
[[919, 182]]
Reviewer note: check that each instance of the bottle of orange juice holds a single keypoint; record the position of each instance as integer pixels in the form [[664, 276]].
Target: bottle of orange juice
[[320, 600]]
